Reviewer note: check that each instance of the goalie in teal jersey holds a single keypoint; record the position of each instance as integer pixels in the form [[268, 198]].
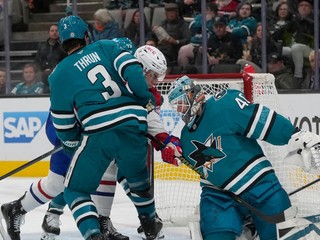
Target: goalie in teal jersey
[[99, 102], [219, 140]]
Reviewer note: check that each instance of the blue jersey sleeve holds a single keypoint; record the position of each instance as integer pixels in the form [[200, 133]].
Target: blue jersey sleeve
[[51, 132]]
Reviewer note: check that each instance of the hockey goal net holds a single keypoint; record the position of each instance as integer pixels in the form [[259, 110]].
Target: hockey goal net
[[177, 190]]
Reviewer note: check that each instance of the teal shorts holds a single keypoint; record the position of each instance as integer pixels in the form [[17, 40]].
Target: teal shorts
[[220, 213]]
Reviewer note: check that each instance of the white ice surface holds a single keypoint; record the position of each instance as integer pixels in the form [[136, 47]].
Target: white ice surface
[[123, 215]]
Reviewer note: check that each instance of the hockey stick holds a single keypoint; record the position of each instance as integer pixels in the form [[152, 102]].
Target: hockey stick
[[305, 186], [276, 218], [18, 169]]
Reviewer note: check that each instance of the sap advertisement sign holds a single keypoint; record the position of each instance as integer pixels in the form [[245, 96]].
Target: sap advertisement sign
[[22, 131], [22, 127]]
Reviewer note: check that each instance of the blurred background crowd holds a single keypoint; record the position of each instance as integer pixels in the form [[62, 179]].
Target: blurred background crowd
[[219, 36]]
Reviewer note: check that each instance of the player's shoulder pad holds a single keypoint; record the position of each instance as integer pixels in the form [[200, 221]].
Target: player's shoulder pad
[[104, 44], [226, 93], [220, 95]]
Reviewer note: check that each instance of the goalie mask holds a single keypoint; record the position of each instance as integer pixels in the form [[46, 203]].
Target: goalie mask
[[186, 97], [152, 60]]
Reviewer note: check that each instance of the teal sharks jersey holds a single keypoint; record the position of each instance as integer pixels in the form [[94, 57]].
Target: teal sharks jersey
[[97, 88], [222, 143]]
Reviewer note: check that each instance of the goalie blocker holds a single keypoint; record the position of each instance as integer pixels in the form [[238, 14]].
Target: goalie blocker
[[304, 151]]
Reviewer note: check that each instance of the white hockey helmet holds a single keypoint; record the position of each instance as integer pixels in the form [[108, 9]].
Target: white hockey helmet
[[152, 59]]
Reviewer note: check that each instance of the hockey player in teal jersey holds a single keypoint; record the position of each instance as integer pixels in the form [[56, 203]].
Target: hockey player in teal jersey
[[98, 99], [219, 140]]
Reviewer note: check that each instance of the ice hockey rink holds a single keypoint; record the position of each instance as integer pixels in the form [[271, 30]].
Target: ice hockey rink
[[123, 215]]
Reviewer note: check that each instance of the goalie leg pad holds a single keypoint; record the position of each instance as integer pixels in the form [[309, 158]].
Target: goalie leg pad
[[299, 228], [195, 232]]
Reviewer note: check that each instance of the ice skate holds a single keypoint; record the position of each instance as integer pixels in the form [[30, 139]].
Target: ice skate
[[98, 237], [51, 224], [14, 214], [109, 231], [143, 236], [151, 228]]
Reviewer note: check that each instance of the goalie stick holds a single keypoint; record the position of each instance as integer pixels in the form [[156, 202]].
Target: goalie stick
[[305, 186], [274, 219], [31, 162]]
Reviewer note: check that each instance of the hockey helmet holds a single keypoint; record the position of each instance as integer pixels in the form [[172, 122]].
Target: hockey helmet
[[153, 60], [186, 97], [72, 27], [126, 44]]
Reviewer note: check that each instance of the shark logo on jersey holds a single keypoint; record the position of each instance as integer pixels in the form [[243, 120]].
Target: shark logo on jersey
[[207, 153]]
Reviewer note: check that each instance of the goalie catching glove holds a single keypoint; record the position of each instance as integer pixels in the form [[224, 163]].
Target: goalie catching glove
[[172, 150], [304, 151]]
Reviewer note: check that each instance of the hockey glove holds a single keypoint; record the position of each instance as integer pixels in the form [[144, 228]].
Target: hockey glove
[[70, 146], [303, 139], [304, 151], [172, 151], [311, 159], [150, 106]]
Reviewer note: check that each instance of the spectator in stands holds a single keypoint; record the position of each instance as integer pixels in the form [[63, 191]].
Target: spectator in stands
[[39, 6], [30, 84], [255, 45], [152, 42], [189, 8], [243, 25], [223, 46], [303, 40], [104, 26], [18, 13], [49, 54], [133, 30], [227, 8], [280, 25], [282, 73], [187, 52], [1, 26], [309, 80], [177, 31], [2, 81], [125, 4]]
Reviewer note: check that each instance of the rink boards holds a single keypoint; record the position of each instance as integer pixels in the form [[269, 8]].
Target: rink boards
[[22, 135]]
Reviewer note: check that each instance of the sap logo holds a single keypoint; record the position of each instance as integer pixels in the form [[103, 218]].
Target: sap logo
[[170, 119], [22, 127]]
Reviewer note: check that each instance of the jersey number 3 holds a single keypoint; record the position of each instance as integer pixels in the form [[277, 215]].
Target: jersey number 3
[[111, 88]]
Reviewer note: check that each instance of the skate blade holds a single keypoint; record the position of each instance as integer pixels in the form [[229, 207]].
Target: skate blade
[[160, 236], [48, 236], [3, 232]]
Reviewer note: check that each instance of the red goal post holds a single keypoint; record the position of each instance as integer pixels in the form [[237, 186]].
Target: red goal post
[[177, 190]]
